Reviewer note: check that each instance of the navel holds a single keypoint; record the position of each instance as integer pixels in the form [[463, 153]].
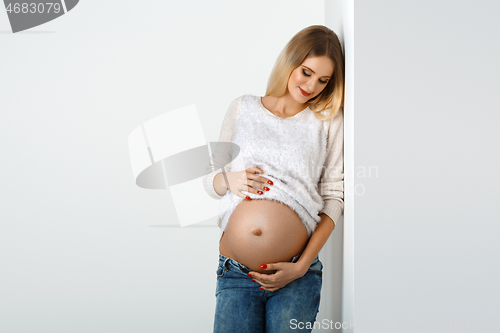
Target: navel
[[257, 232]]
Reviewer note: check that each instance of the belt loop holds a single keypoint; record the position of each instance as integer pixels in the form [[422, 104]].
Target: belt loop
[[225, 263]]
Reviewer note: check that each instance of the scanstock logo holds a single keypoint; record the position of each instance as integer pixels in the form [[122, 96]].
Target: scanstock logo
[[31, 13]]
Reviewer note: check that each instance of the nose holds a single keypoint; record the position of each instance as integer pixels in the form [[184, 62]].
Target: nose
[[310, 86]]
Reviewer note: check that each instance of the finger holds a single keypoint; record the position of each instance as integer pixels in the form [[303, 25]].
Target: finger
[[252, 186], [240, 194], [274, 267], [274, 288], [268, 285], [255, 188], [244, 195], [244, 187], [251, 178], [271, 267], [255, 170], [259, 182], [256, 278], [265, 180], [264, 279], [259, 277]]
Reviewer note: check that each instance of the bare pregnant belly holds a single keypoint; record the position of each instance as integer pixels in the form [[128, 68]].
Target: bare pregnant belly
[[262, 231]]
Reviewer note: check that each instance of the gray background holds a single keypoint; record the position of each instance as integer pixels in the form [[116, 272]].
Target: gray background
[[426, 116]]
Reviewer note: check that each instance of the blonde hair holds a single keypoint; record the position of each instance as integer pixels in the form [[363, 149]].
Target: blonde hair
[[313, 41]]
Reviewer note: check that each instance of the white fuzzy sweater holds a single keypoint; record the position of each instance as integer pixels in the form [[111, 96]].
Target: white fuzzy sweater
[[302, 155]]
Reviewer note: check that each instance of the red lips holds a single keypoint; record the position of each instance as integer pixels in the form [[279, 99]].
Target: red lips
[[304, 93]]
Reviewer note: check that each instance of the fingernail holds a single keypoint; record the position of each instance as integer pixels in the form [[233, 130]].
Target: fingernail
[[266, 188], [260, 192], [248, 198], [270, 182], [249, 274], [263, 266], [253, 280], [260, 288]]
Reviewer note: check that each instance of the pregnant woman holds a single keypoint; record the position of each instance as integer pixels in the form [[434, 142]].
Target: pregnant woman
[[278, 171]]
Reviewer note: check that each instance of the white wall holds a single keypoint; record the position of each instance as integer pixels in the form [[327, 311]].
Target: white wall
[[426, 120], [338, 252], [77, 253]]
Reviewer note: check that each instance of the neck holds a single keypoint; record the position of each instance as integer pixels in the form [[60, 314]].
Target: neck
[[287, 106]]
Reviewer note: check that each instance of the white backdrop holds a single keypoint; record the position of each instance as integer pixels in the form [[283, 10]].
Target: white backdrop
[[78, 252]]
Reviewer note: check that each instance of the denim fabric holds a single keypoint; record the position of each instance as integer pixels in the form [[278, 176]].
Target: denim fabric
[[243, 308]]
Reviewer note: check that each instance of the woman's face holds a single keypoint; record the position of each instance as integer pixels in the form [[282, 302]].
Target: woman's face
[[310, 78]]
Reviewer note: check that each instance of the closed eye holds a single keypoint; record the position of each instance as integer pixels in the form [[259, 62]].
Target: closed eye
[[321, 81]]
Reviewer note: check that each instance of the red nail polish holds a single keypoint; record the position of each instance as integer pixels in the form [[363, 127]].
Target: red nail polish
[[260, 192], [248, 198], [270, 182], [260, 287], [249, 274], [266, 188], [253, 280], [263, 266]]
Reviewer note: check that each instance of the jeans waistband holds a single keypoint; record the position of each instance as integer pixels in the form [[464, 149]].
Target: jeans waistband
[[225, 261]]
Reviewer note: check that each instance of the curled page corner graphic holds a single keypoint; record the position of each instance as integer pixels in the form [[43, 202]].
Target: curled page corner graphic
[[170, 151], [24, 15]]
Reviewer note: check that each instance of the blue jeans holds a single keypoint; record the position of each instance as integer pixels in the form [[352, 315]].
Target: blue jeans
[[241, 307]]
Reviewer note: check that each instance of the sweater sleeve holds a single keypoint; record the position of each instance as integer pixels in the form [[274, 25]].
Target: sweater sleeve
[[222, 153], [331, 185]]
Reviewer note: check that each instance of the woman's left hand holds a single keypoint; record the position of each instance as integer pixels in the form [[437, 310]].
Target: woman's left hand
[[285, 273]]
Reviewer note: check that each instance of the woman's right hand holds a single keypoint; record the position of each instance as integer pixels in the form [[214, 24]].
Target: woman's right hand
[[247, 180]]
